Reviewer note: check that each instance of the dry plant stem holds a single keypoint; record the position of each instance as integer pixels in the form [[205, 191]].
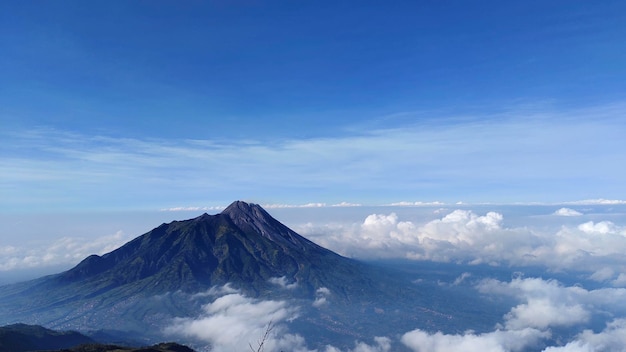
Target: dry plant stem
[[269, 328]]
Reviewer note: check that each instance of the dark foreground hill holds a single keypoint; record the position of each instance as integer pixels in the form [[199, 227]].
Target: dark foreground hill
[[161, 347], [22, 338], [25, 338], [134, 288]]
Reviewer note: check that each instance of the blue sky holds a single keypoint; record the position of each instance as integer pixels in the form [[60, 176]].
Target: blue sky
[[109, 105]]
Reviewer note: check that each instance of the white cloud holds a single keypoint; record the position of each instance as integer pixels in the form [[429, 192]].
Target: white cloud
[[307, 205], [234, 322], [542, 313], [216, 291], [602, 228], [602, 274], [567, 212], [8, 250], [228, 322], [381, 344], [323, 291], [496, 341], [543, 306], [416, 204], [461, 235], [282, 282], [599, 201], [464, 236], [620, 281], [320, 301], [347, 204], [63, 251], [612, 338], [547, 303], [321, 297], [461, 278]]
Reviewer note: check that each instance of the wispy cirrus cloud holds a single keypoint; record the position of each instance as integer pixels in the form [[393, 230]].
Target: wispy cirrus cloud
[[48, 166], [409, 204], [599, 201]]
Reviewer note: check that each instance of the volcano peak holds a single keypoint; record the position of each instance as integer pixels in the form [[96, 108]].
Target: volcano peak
[[252, 218]]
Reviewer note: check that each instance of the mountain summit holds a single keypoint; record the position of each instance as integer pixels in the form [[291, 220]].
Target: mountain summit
[[252, 218]]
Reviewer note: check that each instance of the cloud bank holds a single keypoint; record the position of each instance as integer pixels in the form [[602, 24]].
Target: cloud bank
[[546, 316], [465, 236], [543, 305], [63, 251]]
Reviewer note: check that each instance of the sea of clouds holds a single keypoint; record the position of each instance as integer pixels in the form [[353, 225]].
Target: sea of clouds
[[471, 237], [231, 321], [546, 314], [583, 241]]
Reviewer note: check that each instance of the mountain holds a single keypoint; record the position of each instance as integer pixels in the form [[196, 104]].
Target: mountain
[[137, 288], [243, 245], [22, 337]]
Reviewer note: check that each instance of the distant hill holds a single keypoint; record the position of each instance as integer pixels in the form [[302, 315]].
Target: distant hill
[[162, 347], [130, 289], [22, 338], [27, 338]]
